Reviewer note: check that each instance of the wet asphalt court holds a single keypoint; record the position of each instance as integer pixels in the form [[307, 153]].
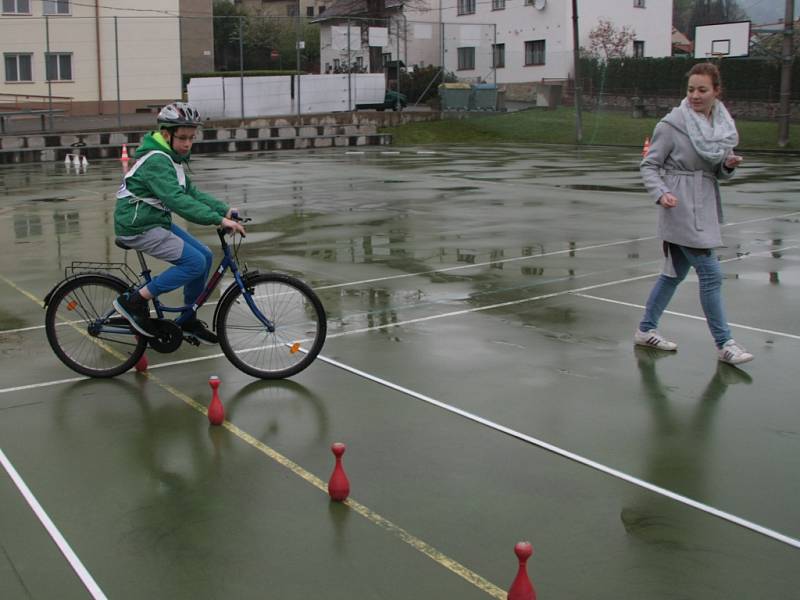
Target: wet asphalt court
[[502, 282]]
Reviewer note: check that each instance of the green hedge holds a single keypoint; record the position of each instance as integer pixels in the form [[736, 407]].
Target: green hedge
[[743, 78]]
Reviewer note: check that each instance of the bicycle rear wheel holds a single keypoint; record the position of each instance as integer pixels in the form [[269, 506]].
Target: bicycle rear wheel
[[73, 313], [298, 317]]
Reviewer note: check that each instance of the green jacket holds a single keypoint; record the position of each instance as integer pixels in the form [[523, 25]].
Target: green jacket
[[157, 186]]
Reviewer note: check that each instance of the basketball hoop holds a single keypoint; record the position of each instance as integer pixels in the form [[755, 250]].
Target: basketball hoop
[[722, 40]]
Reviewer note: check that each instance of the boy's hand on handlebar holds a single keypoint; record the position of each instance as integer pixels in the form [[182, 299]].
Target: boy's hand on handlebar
[[232, 226]]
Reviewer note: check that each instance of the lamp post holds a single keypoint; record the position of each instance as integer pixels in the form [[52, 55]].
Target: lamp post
[[576, 59]]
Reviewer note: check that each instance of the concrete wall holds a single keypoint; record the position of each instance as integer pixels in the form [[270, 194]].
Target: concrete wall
[[220, 97], [277, 133]]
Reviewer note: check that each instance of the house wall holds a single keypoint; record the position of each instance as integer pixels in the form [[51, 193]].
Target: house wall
[[518, 23], [197, 36], [145, 45]]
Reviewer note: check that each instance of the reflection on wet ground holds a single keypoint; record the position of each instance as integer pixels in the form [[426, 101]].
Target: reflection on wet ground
[[503, 280]]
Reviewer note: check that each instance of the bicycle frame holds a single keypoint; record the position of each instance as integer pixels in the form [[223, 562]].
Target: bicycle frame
[[188, 311]]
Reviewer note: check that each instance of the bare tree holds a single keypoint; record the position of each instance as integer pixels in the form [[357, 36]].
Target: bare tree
[[606, 41]]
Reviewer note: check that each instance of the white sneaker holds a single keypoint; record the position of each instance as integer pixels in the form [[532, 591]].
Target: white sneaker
[[734, 354], [653, 339]]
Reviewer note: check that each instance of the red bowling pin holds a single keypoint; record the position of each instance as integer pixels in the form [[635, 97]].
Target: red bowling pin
[[141, 364], [522, 588], [338, 485], [216, 412]]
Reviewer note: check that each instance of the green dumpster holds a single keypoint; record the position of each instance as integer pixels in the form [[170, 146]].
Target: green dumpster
[[455, 96], [484, 96]]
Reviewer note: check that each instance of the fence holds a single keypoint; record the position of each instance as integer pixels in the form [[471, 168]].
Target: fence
[[120, 65]]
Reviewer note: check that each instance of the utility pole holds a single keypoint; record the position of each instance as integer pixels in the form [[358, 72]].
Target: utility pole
[[576, 59], [786, 75]]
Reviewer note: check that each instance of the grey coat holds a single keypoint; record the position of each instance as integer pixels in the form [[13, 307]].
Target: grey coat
[[672, 165]]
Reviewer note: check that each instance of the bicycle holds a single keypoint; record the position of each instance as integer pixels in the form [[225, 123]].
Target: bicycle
[[269, 325]]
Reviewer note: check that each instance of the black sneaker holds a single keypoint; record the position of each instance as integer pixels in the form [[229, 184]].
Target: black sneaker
[[199, 330], [133, 307]]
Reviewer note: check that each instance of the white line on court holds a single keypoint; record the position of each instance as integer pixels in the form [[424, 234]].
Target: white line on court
[[493, 262], [688, 316], [419, 273], [485, 264], [575, 292], [48, 524], [571, 455]]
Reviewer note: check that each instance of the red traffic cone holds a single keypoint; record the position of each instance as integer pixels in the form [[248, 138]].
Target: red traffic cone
[[646, 147], [124, 153], [338, 485], [216, 412], [522, 588], [141, 364]]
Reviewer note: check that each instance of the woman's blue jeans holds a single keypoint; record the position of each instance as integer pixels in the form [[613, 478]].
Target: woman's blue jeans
[[709, 274]]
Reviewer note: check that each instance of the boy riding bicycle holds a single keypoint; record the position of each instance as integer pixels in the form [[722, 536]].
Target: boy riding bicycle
[[155, 187]]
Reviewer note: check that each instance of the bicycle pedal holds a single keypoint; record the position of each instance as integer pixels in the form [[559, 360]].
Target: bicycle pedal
[[191, 340]]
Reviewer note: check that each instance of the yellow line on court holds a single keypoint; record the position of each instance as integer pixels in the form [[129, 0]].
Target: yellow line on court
[[418, 544]]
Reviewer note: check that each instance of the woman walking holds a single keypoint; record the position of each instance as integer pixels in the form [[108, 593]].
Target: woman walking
[[691, 149]]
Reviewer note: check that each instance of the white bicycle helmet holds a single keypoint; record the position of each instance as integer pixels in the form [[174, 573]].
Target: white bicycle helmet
[[179, 114]]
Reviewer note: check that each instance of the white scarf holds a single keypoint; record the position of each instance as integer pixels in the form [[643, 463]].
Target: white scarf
[[712, 138]]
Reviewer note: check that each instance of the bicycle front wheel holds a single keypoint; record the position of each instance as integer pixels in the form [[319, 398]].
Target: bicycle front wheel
[[297, 315], [73, 321]]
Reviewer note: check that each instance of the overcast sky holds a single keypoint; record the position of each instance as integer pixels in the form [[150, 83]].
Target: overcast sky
[[767, 11]]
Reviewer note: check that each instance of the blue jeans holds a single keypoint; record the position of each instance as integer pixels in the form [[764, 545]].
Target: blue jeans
[[709, 274], [190, 270]]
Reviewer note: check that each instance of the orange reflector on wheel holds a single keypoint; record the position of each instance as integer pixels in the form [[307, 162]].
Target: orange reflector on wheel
[[72, 304], [295, 348]]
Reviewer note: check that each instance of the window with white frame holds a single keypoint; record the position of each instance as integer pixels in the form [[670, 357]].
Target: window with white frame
[[466, 59], [16, 7], [534, 52], [58, 66], [55, 7], [638, 49], [18, 67], [498, 4], [638, 3], [498, 56], [466, 7]]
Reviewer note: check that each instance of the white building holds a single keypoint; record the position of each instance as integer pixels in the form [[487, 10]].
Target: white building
[[90, 55], [410, 32], [533, 39]]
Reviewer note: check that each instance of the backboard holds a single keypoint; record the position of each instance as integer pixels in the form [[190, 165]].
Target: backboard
[[722, 40]]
